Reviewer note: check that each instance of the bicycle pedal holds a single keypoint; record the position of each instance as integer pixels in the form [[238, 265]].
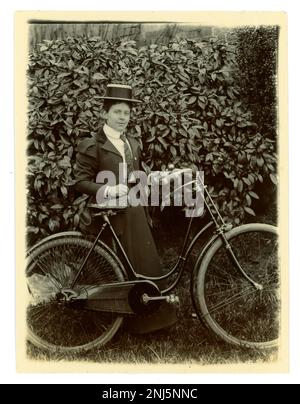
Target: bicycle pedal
[[172, 299]]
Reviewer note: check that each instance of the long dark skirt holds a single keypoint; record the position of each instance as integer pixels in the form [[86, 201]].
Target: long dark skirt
[[132, 228], [137, 240]]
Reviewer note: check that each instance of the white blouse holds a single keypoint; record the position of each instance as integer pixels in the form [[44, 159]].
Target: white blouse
[[114, 137]]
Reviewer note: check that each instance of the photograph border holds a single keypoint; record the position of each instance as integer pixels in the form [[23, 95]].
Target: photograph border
[[206, 18]]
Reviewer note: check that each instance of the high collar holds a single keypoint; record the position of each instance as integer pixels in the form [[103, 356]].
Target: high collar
[[111, 133]]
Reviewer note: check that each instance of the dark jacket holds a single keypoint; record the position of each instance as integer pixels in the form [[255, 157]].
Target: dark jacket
[[94, 155], [97, 154]]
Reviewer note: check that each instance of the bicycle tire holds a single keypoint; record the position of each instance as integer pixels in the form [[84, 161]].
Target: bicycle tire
[[61, 328], [246, 316]]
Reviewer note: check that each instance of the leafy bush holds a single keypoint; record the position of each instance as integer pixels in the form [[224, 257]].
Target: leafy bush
[[190, 113], [257, 61]]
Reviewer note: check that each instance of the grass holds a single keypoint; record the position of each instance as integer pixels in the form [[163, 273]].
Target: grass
[[187, 342]]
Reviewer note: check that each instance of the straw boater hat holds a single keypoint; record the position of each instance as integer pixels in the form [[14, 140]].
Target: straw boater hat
[[119, 92]]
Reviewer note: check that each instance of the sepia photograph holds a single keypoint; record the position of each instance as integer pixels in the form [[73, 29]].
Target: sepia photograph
[[153, 218]]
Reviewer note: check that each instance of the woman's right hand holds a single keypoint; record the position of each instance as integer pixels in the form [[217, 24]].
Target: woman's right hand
[[117, 191]]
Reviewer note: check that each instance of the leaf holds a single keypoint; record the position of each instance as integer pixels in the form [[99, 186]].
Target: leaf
[[150, 139], [173, 151], [192, 99], [70, 151], [201, 104], [138, 129], [158, 149], [64, 191], [71, 64], [53, 225], [249, 210], [76, 220], [260, 162], [254, 195], [78, 83], [66, 215], [98, 76], [163, 142], [76, 55], [236, 182], [47, 172], [57, 206], [246, 181], [240, 186], [61, 75], [132, 51], [274, 178], [219, 123], [33, 229], [183, 132], [80, 199]]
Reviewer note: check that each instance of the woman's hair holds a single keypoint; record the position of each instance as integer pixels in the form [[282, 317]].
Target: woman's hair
[[107, 104]]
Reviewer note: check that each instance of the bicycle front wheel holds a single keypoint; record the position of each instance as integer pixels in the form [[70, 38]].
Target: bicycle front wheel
[[230, 305], [60, 326]]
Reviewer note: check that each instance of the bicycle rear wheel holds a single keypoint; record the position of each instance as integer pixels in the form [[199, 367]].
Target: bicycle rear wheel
[[225, 299], [61, 326]]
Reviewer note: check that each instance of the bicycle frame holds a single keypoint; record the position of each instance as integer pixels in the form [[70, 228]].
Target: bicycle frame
[[220, 231], [182, 257], [179, 265]]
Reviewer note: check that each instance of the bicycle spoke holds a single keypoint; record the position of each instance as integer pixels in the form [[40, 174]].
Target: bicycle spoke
[[36, 316], [46, 272], [219, 269], [233, 299], [99, 324], [227, 291]]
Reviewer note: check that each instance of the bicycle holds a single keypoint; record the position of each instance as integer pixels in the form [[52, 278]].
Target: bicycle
[[82, 291]]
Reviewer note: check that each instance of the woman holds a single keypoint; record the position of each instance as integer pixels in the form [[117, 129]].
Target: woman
[[105, 152]]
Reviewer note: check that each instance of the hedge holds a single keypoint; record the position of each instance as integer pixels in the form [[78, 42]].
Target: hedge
[[257, 59], [191, 113]]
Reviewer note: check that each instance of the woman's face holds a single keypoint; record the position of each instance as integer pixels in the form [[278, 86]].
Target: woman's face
[[118, 116]]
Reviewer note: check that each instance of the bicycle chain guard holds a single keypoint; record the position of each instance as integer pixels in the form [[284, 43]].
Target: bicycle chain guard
[[122, 297]]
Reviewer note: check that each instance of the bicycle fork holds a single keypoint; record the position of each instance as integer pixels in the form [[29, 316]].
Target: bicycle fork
[[235, 260]]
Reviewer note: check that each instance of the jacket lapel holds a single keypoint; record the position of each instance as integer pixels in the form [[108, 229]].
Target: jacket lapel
[[105, 144], [134, 145]]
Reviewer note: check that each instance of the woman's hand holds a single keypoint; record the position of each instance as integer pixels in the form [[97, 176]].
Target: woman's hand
[[117, 191]]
